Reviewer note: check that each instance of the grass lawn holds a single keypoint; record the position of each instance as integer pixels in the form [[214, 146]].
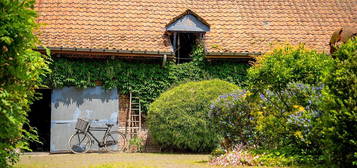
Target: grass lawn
[[113, 160]]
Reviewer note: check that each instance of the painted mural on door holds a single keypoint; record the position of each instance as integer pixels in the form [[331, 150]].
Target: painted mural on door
[[70, 103]]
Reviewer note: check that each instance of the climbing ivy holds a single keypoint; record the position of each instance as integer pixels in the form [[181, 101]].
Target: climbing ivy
[[146, 80], [198, 54]]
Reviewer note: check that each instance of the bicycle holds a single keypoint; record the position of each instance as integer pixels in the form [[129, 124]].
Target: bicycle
[[81, 141]]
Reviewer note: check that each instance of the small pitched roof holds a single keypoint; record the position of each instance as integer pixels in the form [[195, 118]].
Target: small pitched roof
[[188, 21], [235, 26]]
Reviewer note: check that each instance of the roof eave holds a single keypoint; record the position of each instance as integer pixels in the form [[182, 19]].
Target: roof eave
[[143, 54], [232, 55], [107, 52]]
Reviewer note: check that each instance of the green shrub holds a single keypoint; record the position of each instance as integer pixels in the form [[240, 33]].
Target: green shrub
[[137, 144], [286, 86], [340, 117], [285, 64], [231, 117], [218, 151], [287, 121], [284, 122], [179, 118], [273, 157], [21, 69]]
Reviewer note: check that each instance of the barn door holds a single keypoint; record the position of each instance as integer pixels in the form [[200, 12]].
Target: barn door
[[69, 103]]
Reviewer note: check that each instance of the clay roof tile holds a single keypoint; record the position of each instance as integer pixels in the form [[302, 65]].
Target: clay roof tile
[[234, 25]]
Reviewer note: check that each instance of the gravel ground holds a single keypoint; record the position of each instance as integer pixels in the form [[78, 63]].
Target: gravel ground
[[112, 160]]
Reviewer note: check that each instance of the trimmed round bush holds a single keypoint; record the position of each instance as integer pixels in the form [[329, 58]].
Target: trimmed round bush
[[179, 118]]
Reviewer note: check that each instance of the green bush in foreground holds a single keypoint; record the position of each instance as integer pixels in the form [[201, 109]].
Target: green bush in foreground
[[287, 84], [179, 118], [339, 121], [303, 108], [21, 69]]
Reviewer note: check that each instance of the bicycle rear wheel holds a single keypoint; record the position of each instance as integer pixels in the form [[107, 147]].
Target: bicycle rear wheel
[[114, 141], [79, 142]]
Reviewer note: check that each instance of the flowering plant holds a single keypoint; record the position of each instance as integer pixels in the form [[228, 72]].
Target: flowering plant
[[237, 157], [287, 119], [230, 114]]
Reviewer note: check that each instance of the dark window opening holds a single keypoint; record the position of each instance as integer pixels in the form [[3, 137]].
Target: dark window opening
[[183, 45], [40, 117]]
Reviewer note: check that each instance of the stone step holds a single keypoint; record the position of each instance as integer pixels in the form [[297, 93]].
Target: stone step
[[152, 149]]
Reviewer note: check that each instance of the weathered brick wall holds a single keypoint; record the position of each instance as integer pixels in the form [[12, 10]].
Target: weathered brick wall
[[149, 144], [123, 110]]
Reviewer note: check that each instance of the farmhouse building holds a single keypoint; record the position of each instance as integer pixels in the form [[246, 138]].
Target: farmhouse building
[[158, 31]]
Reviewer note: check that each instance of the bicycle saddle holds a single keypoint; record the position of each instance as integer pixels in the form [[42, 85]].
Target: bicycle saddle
[[109, 125]]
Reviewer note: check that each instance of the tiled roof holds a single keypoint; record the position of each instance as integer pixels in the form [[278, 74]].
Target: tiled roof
[[235, 26]]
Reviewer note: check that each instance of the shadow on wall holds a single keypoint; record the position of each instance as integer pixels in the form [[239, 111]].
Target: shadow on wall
[[71, 95]]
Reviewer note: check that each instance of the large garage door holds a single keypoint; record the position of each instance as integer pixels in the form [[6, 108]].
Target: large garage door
[[68, 104]]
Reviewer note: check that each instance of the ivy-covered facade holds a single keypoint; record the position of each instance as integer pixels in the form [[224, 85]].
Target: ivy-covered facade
[[147, 80]]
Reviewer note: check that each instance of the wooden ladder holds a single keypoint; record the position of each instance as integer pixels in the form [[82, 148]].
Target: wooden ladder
[[134, 121]]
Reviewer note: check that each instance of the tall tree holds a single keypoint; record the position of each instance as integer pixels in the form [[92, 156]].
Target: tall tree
[[21, 70]]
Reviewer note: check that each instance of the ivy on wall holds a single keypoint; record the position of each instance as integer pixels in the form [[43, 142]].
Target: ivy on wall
[[145, 80]]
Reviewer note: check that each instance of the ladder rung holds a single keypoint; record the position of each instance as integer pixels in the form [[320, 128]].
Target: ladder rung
[[135, 115], [135, 109]]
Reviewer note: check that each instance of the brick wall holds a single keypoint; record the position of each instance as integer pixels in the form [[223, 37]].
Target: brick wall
[[123, 110]]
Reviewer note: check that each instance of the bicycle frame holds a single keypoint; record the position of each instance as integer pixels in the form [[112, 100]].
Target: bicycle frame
[[101, 129]]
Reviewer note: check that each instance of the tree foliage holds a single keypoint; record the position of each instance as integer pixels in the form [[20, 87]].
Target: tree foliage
[[287, 84], [303, 105], [21, 69], [340, 97], [179, 118], [285, 64]]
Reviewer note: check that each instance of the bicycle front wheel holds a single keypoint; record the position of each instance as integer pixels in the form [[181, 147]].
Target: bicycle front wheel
[[79, 142], [114, 141]]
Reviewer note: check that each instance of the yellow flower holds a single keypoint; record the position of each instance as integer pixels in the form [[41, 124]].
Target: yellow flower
[[298, 134], [300, 108]]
